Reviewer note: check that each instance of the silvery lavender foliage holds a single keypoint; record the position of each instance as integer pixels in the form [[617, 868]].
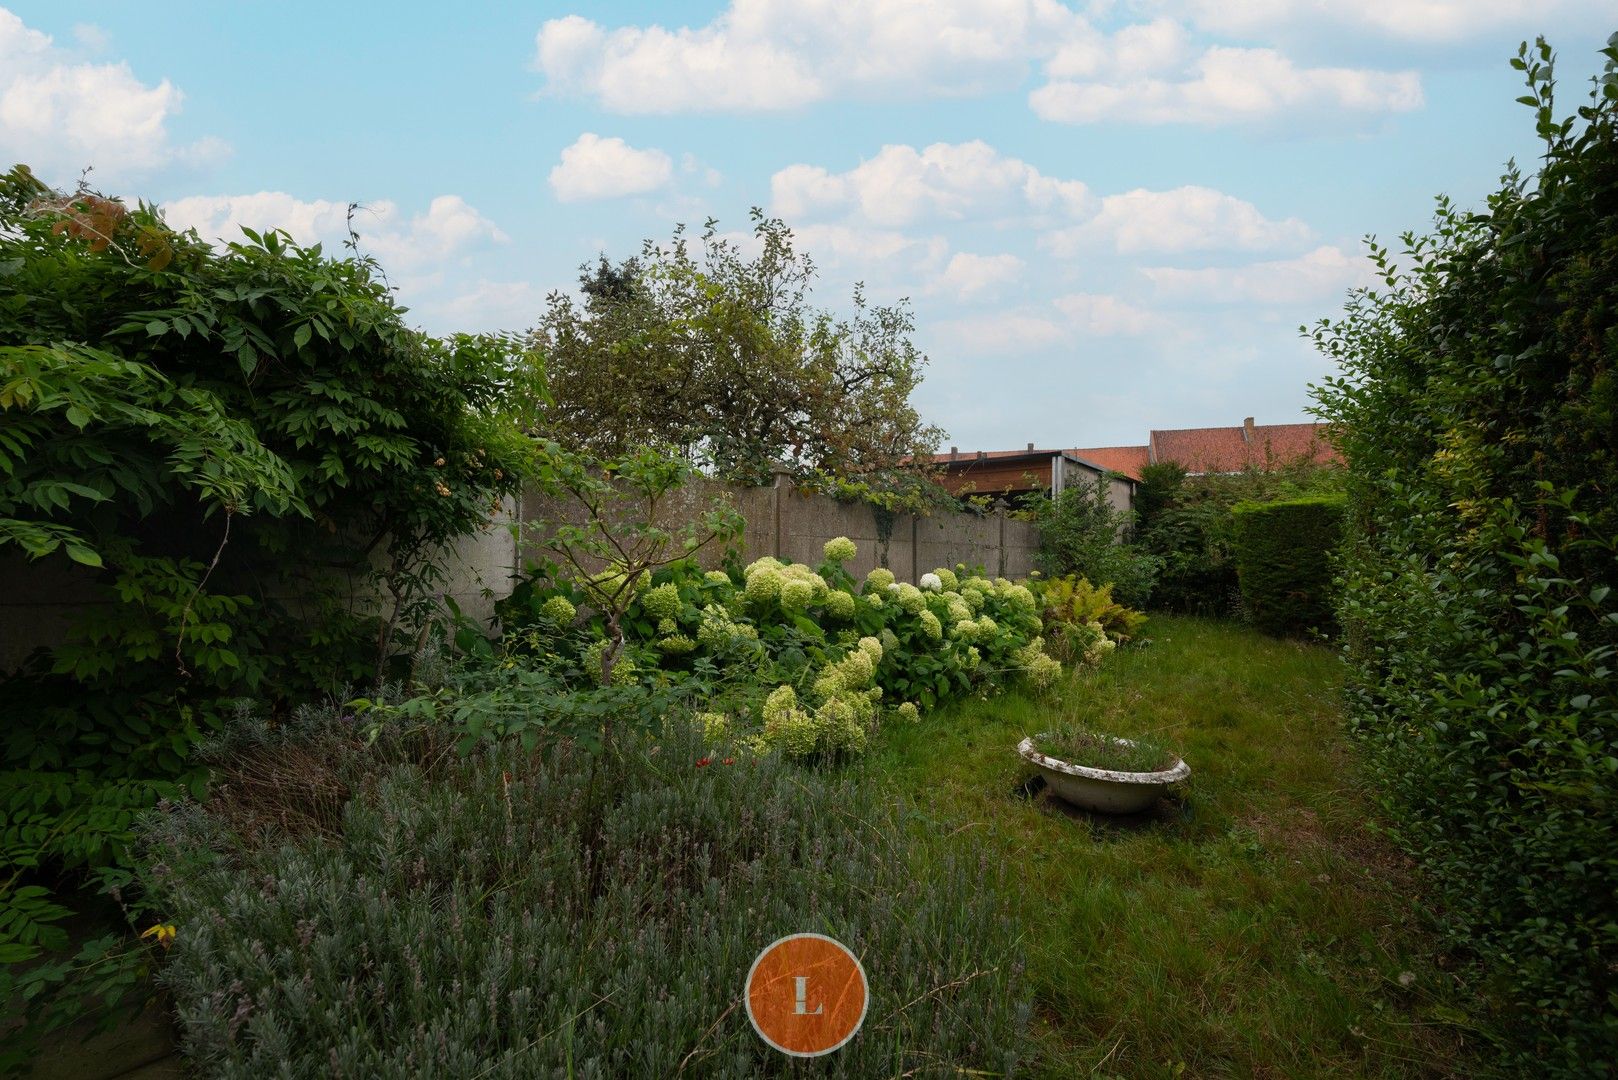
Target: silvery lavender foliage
[[569, 914]]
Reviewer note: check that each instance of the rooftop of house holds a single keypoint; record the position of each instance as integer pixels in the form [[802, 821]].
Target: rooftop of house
[[1199, 450], [1232, 449]]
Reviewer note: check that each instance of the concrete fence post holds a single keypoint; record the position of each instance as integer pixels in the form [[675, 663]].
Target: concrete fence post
[[915, 548], [778, 512], [1000, 512]]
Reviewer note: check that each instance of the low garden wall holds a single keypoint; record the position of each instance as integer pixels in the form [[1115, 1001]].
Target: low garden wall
[[38, 601]]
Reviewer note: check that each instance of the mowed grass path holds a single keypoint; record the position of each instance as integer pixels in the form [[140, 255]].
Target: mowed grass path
[[1256, 928]]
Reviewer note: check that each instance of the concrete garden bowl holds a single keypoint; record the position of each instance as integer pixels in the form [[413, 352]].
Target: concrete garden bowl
[[1102, 789]]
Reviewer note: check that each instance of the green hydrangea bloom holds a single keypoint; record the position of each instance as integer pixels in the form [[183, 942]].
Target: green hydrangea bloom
[[676, 644], [889, 640], [624, 669], [951, 582], [662, 602], [716, 577], [872, 647], [840, 605], [880, 578], [908, 712], [560, 610], [797, 595], [839, 549], [931, 626], [1021, 598], [911, 598], [715, 726], [764, 586], [667, 626]]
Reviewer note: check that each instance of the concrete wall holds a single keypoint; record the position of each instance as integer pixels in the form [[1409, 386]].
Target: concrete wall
[[39, 601]]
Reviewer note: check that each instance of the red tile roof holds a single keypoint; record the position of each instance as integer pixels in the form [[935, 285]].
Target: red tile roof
[[1232, 449], [1129, 460]]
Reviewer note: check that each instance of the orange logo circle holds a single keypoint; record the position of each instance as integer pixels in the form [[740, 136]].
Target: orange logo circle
[[806, 995]]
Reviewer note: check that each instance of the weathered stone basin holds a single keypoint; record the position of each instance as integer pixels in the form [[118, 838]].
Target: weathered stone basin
[[1102, 789]]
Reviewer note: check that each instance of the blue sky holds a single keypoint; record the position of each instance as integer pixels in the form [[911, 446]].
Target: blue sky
[[1109, 217]]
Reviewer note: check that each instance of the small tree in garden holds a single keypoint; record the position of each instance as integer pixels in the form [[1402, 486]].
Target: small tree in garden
[[626, 534], [698, 350], [1082, 533]]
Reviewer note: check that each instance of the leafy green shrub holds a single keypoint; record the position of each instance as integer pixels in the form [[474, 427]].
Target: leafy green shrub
[[1066, 602], [1186, 522], [1478, 412], [513, 915], [1082, 533], [209, 433], [809, 657], [1284, 562]]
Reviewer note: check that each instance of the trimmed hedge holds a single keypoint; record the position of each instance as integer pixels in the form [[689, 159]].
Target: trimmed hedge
[[1478, 413], [1283, 561]]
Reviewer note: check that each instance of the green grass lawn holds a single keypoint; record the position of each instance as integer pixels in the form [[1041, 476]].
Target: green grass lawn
[[1255, 927]]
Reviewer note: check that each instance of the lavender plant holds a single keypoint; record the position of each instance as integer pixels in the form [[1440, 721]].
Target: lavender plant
[[592, 915]]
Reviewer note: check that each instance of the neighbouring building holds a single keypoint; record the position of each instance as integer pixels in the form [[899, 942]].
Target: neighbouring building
[[1008, 474], [1011, 474]]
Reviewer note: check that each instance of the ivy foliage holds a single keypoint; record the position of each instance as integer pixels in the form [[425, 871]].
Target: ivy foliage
[[1478, 413], [238, 449]]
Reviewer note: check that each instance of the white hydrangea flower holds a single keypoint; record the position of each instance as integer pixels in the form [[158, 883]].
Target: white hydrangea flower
[[932, 583]]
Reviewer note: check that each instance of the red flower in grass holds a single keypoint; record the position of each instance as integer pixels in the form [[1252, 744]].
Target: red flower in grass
[[704, 762], [728, 761]]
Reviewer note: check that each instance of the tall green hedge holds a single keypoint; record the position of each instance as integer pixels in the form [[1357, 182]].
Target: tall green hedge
[[1283, 561], [1478, 413]]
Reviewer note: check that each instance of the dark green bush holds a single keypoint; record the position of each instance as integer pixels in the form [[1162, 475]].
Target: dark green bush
[[1186, 522], [589, 915], [257, 463], [1478, 412], [1283, 553]]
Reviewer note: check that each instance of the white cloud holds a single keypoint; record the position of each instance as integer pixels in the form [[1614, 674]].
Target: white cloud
[[760, 55], [448, 228], [1183, 219], [598, 168], [968, 275], [1321, 275], [764, 55], [60, 115], [902, 185], [1416, 20], [1227, 85], [482, 306]]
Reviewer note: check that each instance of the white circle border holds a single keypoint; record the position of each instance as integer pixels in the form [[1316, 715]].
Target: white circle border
[[747, 997]]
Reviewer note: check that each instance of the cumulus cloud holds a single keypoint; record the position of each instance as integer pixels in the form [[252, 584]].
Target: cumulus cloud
[[764, 55], [1227, 85], [1415, 20], [1187, 218], [598, 168], [60, 114], [902, 185], [967, 275], [1320, 275], [448, 228]]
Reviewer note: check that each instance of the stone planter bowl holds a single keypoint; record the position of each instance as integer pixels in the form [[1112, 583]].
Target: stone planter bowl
[[1102, 789]]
